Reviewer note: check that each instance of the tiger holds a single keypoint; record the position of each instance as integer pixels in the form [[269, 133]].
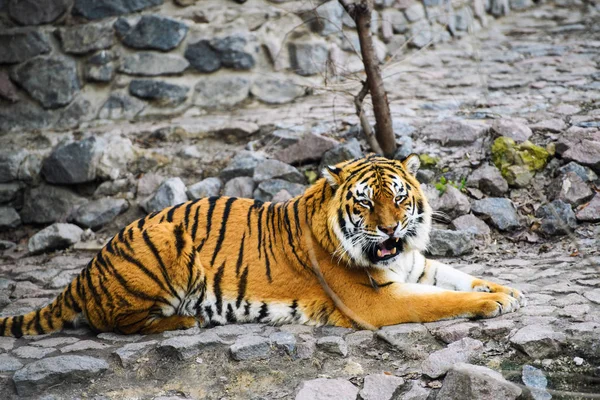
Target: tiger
[[347, 252]]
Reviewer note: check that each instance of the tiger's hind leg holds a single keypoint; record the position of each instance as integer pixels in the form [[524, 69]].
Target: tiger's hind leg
[[171, 323]]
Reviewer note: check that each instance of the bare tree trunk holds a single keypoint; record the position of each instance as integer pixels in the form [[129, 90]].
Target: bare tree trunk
[[384, 132]]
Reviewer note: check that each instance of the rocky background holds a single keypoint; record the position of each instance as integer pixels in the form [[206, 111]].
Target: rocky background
[[113, 109]]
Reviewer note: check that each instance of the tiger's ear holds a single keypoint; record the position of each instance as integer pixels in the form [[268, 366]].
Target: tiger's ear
[[411, 164], [333, 175]]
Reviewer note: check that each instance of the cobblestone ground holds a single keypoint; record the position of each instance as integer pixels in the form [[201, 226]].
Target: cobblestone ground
[[540, 65]]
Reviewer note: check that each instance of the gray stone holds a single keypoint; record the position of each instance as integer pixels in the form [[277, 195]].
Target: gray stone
[[170, 193], [250, 347], [499, 7], [221, 91], [47, 204], [453, 331], [80, 110], [19, 46], [284, 340], [593, 296], [498, 329], [274, 169], [453, 202], [42, 374], [327, 18], [466, 381], [188, 346], [8, 363], [205, 188], [121, 106], [100, 67], [9, 218], [131, 352], [421, 34], [97, 9], [536, 381], [243, 164], [333, 345], [98, 213], [235, 51], [37, 12], [550, 224], [7, 343], [511, 128], [538, 341], [55, 341], [24, 115], [266, 190], [311, 147], [236, 130], [155, 32], [380, 387], [81, 39], [159, 92], [396, 19], [582, 147], [405, 148], [276, 90], [591, 212], [447, 243], [412, 339], [10, 162], [74, 162], [585, 173], [117, 338], [571, 189], [147, 63], [416, 392], [202, 56], [471, 224], [242, 186], [555, 125], [489, 180], [440, 362], [327, 389], [453, 133], [52, 81], [308, 57], [499, 212], [8, 90], [342, 152], [55, 237], [32, 352], [415, 12]]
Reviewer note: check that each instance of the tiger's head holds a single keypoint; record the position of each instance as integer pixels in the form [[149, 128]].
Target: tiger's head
[[377, 210]]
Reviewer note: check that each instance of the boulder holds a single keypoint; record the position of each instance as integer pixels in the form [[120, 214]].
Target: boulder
[[121, 106], [243, 164], [81, 39], [170, 193], [250, 347], [74, 162], [37, 12], [266, 190], [55, 237], [514, 129], [159, 92], [97, 9], [551, 225], [453, 133], [98, 213], [19, 46], [274, 169], [46, 204], [9, 218], [272, 90], [381, 387], [202, 56], [325, 389], [147, 63], [471, 224], [242, 186], [571, 189], [591, 211], [453, 202], [500, 212], [308, 57], [221, 91], [153, 32], [489, 180], [441, 361], [538, 341], [466, 381], [310, 148], [447, 243], [205, 188], [342, 152]]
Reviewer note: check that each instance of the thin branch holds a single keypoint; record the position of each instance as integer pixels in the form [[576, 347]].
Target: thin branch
[[364, 121]]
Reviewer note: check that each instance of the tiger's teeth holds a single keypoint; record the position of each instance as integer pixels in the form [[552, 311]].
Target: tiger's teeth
[[378, 253], [394, 250], [397, 240]]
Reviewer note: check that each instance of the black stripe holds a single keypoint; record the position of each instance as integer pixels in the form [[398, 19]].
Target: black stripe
[[240, 258], [259, 223], [17, 326], [130, 234], [179, 241], [130, 259], [212, 202], [209, 312], [49, 321], [217, 288], [294, 308], [141, 223], [224, 220], [297, 218], [186, 218], [230, 315], [95, 296], [172, 211], [242, 287], [247, 308], [263, 313], [3, 326], [161, 264], [195, 226], [190, 267]]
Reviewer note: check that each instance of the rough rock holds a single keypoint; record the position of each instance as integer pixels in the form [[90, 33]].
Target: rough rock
[[24, 115], [471, 224], [550, 125], [308, 57], [236, 51], [274, 169], [499, 211], [333, 345], [160, 92], [221, 91], [590, 212], [284, 340], [327, 18], [55, 237], [37, 12], [453, 202], [81, 39], [171, 192], [147, 63], [413, 339], [188, 346], [476, 383], [585, 173], [415, 12], [98, 213], [10, 162], [550, 224], [447, 243], [242, 164], [42, 374], [118, 153], [342, 152], [121, 106], [514, 129], [52, 81], [202, 56], [276, 90], [32, 352], [380, 387], [440, 362], [16, 47], [8, 363], [421, 34], [416, 392], [96, 9], [205, 188], [583, 147], [9, 218], [310, 148], [326, 389], [536, 381], [131, 352], [74, 162], [11, 192], [488, 179], [538, 341], [453, 133], [154, 32], [46, 204], [242, 186], [250, 347], [266, 190], [571, 189], [8, 91]]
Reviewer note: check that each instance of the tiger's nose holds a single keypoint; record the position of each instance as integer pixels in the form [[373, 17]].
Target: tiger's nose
[[388, 229]]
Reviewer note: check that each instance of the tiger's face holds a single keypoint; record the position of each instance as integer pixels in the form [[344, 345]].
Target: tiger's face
[[378, 210]]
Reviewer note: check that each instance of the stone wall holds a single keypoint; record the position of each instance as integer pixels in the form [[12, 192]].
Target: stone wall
[[66, 63]]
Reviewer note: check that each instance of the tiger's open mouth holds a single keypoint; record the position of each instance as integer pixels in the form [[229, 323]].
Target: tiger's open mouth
[[385, 250]]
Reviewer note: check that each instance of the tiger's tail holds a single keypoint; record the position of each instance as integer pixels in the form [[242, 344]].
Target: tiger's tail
[[62, 312]]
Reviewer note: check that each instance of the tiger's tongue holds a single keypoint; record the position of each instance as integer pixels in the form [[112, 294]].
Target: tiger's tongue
[[384, 251]]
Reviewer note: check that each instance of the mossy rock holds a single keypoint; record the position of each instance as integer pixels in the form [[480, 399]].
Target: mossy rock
[[507, 154], [427, 161]]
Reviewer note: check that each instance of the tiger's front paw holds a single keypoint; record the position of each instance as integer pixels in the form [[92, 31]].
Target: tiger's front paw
[[490, 287], [491, 305]]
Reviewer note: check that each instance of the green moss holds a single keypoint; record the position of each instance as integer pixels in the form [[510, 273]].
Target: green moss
[[506, 154], [311, 176], [427, 161]]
